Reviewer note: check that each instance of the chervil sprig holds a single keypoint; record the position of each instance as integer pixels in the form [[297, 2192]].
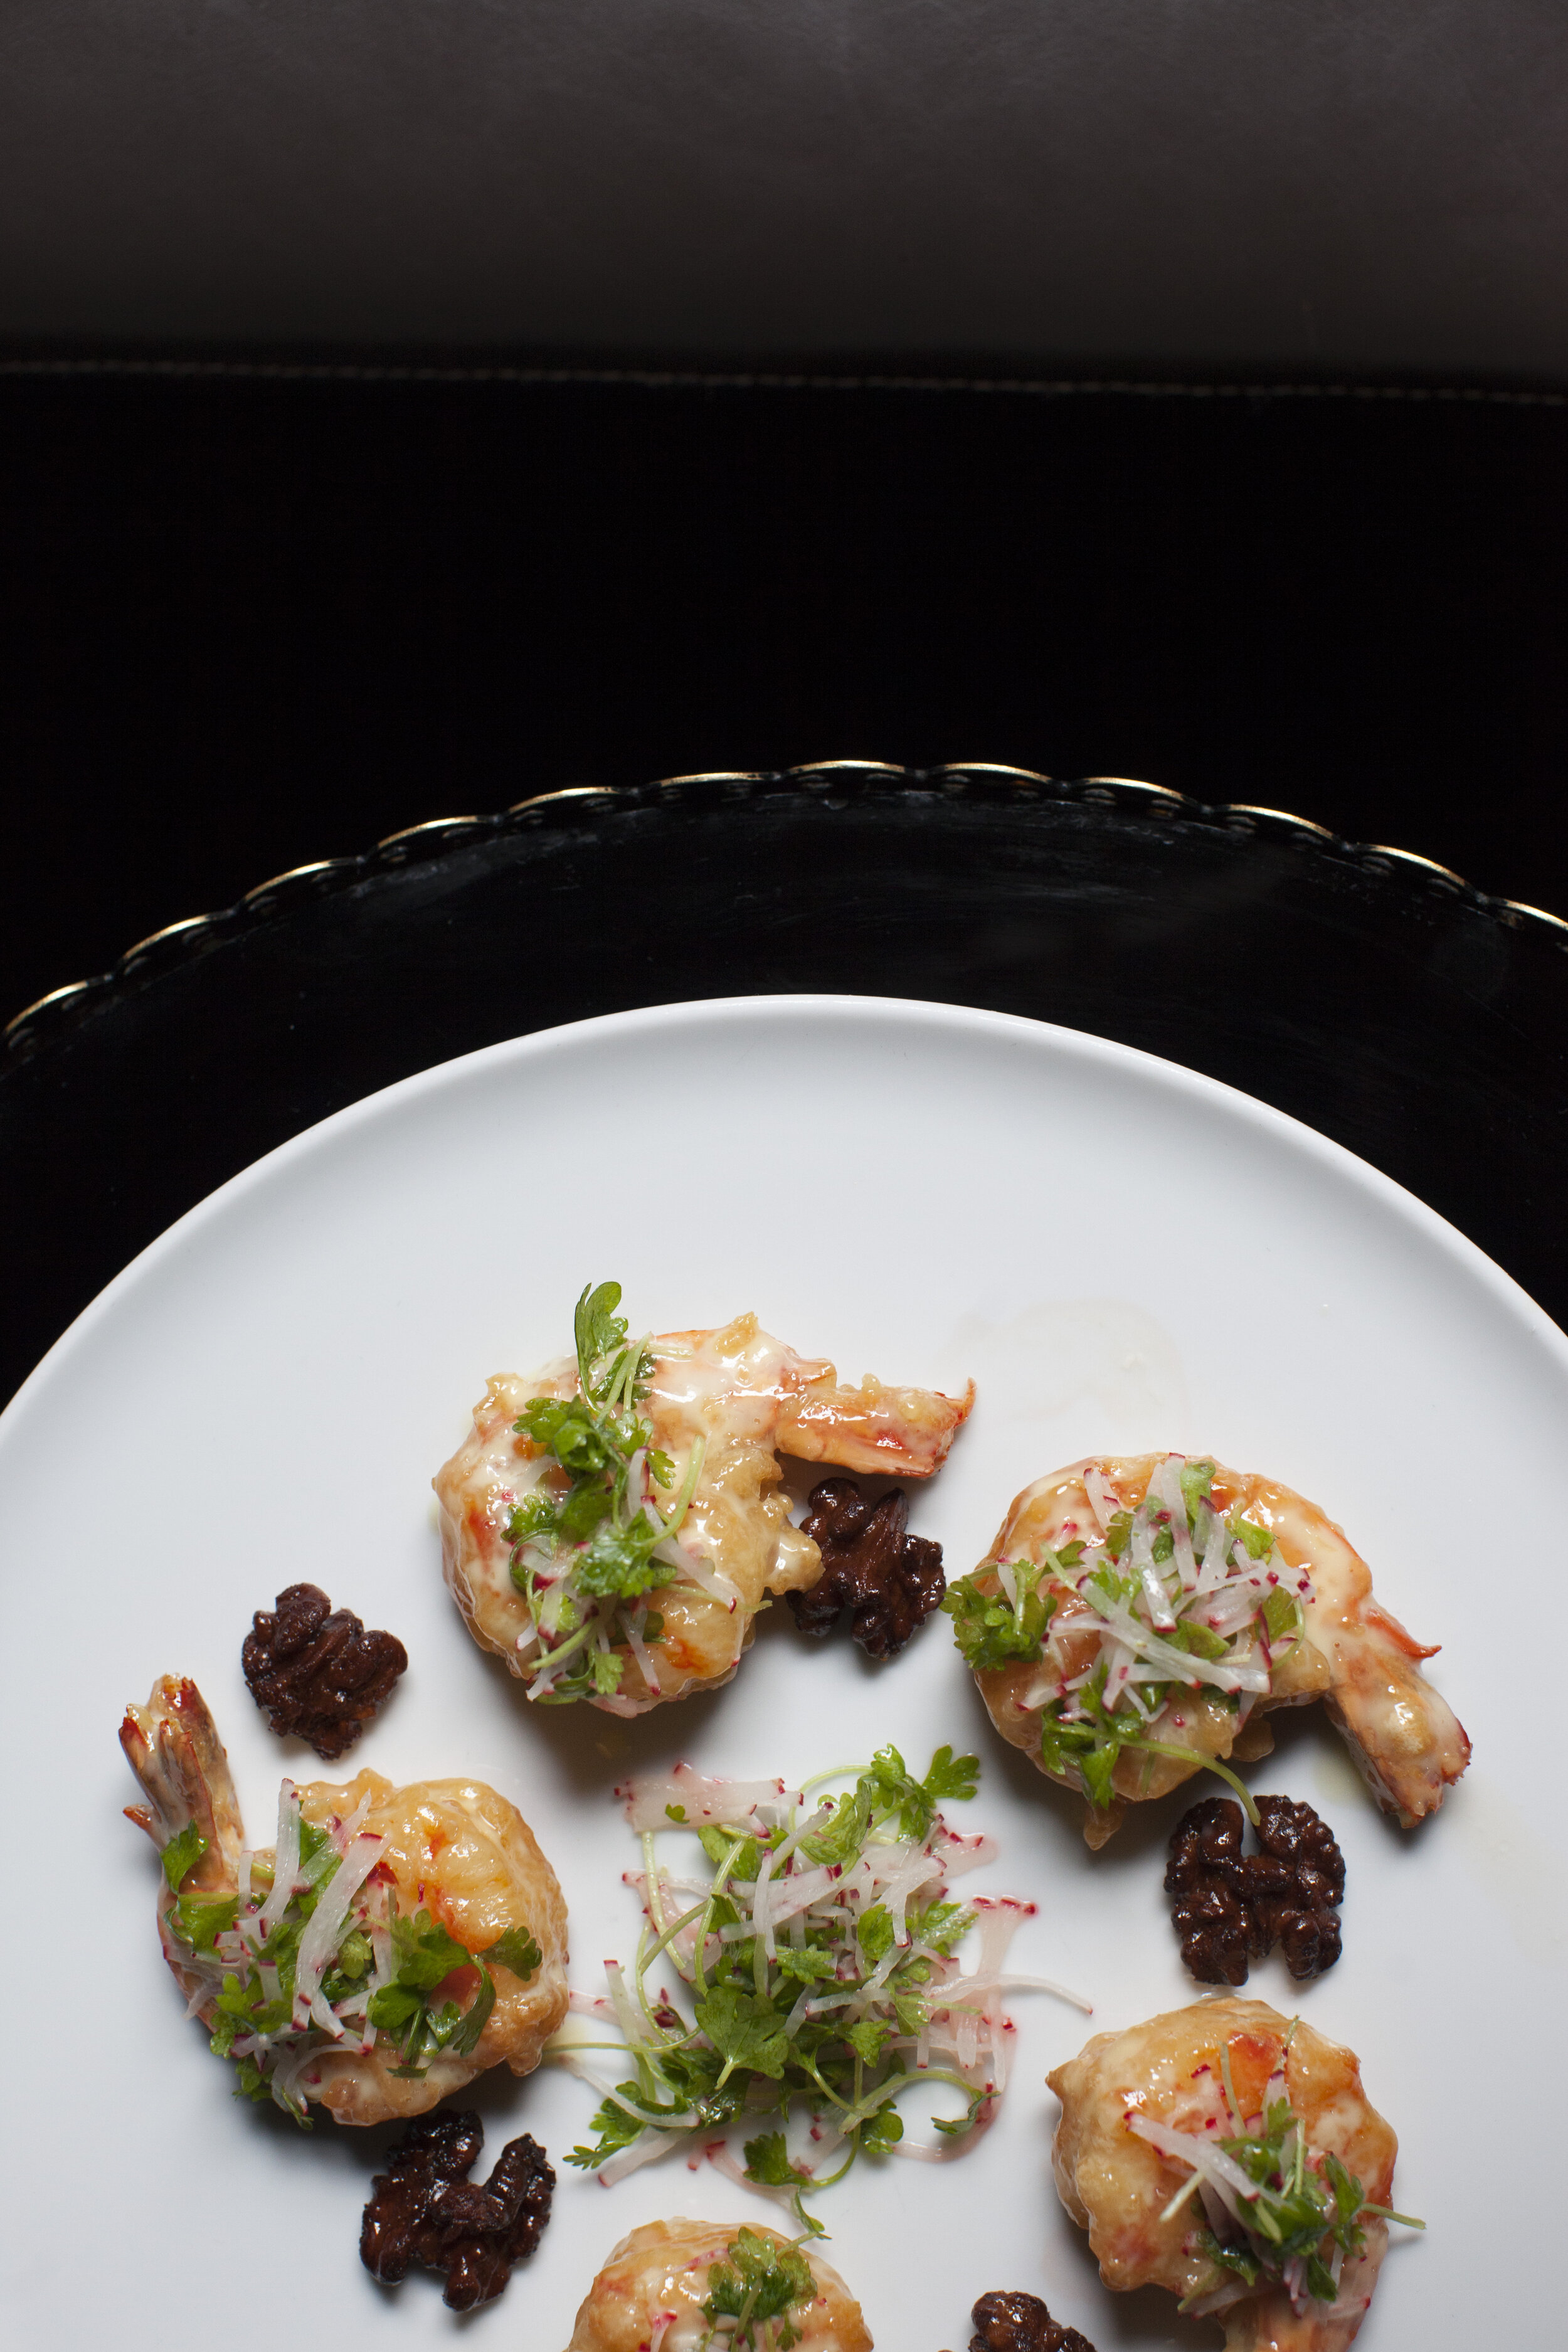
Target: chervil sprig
[[757, 2288], [817, 1955]]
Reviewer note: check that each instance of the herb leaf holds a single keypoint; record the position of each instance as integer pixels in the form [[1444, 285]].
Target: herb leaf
[[761, 2282], [516, 1950], [182, 1855]]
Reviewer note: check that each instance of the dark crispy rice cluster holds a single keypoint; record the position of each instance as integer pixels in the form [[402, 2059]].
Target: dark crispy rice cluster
[[1020, 2322], [1231, 1907], [424, 2209], [889, 1580], [316, 1671]]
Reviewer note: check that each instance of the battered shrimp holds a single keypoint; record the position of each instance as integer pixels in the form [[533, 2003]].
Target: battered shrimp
[[369, 1859], [721, 1406], [1197, 2077], [649, 2296], [1338, 1645]]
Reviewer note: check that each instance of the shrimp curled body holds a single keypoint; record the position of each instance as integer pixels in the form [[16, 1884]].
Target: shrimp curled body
[[1172, 2071], [745, 1398], [1405, 1737], [452, 1848], [652, 2289]]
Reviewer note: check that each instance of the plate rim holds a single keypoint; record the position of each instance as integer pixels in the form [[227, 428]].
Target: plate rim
[[541, 1044], [174, 943]]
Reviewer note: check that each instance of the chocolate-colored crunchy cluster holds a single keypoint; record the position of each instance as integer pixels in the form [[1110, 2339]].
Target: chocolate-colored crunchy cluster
[[1232, 1908], [425, 2208], [889, 1579], [317, 1672], [1020, 2322]]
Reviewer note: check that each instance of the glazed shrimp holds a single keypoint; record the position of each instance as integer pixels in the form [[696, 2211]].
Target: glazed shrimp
[[719, 1407], [363, 1863], [1144, 2114], [649, 2296], [1313, 1630]]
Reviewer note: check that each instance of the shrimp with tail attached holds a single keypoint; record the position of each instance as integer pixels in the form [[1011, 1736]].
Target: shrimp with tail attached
[[612, 1527], [1139, 1616], [391, 1944]]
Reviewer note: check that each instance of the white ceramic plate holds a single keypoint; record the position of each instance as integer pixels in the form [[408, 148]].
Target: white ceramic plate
[[1124, 1257]]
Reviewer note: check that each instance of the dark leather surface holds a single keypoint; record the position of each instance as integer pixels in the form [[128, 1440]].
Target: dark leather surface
[[1425, 1030], [1366, 185]]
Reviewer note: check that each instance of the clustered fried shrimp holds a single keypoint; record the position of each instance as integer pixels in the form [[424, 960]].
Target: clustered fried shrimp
[[612, 1528]]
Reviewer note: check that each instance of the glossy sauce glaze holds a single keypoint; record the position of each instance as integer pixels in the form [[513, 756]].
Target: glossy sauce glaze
[[747, 1397], [454, 1848], [1406, 1741], [649, 2295], [1171, 2070]]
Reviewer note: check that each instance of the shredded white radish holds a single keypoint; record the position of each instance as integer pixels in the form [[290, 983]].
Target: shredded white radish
[[1101, 1501], [286, 1858], [1220, 2171], [324, 1929], [701, 1800]]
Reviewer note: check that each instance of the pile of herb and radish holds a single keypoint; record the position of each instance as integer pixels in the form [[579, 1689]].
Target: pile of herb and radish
[[817, 1956]]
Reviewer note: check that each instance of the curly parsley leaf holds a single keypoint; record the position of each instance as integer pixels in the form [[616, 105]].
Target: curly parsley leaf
[[891, 1789], [842, 1836], [619, 1560], [597, 1329], [426, 1956], [882, 2129], [616, 2129], [424, 1951]]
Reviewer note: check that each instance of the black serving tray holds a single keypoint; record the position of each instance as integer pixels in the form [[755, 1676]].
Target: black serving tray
[[1367, 992]]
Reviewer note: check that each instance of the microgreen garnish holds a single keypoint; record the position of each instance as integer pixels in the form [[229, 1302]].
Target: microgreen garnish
[[1176, 1594], [591, 1541], [816, 1955], [286, 1981], [757, 2286], [1281, 2211]]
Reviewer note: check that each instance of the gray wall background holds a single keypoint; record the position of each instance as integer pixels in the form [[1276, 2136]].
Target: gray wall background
[[1377, 187]]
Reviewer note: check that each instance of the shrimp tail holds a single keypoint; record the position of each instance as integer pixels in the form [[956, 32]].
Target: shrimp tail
[[172, 1745], [904, 1432]]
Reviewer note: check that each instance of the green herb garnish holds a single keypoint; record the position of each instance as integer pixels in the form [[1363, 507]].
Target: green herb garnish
[[1179, 1598], [267, 2024], [1304, 2218], [757, 2288], [591, 1542], [839, 2007]]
